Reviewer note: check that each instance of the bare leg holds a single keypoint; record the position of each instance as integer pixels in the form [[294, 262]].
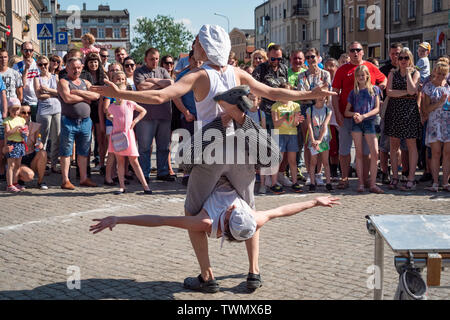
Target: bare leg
[[82, 165], [436, 161], [65, 166], [446, 163], [371, 140], [326, 165], [312, 169], [138, 171], [345, 166], [395, 148], [413, 158], [121, 170], [252, 246], [38, 164], [357, 138], [292, 160]]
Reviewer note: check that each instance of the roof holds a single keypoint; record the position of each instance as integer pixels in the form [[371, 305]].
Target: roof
[[96, 14]]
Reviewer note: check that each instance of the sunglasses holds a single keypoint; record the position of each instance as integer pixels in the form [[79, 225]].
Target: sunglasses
[[42, 64], [310, 57], [55, 61], [26, 113], [103, 56], [276, 59], [168, 62], [258, 58], [403, 58], [129, 65], [28, 50], [356, 50]]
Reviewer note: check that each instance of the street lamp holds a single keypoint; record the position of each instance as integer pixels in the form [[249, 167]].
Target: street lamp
[[221, 15]]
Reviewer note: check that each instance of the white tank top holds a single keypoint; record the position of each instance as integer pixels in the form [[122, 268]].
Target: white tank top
[[208, 109]]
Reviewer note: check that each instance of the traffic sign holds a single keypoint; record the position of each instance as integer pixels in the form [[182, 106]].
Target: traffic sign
[[45, 31], [62, 38]]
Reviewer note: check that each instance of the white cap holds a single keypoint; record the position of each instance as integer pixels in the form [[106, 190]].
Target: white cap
[[242, 224], [216, 43]]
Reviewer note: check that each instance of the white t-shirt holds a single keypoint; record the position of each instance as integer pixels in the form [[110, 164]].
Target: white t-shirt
[[223, 196], [29, 96]]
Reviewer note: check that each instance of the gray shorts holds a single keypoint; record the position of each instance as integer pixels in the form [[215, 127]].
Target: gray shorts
[[346, 139], [204, 178]]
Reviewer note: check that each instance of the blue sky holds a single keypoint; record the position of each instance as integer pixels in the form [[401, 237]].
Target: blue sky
[[193, 13]]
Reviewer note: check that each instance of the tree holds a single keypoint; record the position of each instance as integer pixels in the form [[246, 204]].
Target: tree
[[162, 33]]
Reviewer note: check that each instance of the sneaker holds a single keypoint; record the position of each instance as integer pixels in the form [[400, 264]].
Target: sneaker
[[319, 180], [297, 188], [42, 186], [312, 188], [12, 189], [277, 189], [97, 168], [285, 182], [308, 180], [262, 189]]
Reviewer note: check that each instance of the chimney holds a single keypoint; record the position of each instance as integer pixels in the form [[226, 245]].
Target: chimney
[[84, 6]]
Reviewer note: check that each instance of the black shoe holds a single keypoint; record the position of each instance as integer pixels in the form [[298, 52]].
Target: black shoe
[[185, 181], [254, 281], [168, 178], [312, 188], [198, 284], [109, 184], [297, 188], [148, 192], [119, 192], [277, 189], [329, 187], [237, 96]]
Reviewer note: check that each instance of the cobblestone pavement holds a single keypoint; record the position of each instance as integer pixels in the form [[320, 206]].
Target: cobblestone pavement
[[320, 254]]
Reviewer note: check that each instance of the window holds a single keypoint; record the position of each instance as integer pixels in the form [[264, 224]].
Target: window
[[325, 6], [396, 11], [101, 20], [337, 5], [101, 33], [116, 33], [351, 19], [85, 20], [411, 9], [337, 35], [443, 48], [362, 18], [314, 30], [85, 30], [116, 20], [304, 32], [415, 49], [437, 5], [327, 36]]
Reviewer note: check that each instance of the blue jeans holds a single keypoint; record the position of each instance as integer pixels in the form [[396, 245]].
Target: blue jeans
[[78, 131], [146, 130]]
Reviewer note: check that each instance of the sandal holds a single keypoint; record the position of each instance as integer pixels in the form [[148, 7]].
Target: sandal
[[343, 184], [360, 189], [434, 188], [236, 96], [198, 284], [394, 183], [254, 281], [376, 189], [409, 186]]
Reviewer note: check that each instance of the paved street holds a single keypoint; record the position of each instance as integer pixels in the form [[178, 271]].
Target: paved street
[[321, 254]]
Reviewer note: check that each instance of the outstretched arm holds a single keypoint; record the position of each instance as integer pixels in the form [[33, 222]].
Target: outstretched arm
[[292, 209], [191, 223]]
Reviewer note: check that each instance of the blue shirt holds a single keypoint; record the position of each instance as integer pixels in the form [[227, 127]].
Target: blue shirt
[[188, 99], [363, 102]]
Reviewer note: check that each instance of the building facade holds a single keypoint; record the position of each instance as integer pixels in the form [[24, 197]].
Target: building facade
[[414, 21], [262, 25], [23, 17], [111, 28], [331, 29], [365, 22], [242, 43], [3, 26]]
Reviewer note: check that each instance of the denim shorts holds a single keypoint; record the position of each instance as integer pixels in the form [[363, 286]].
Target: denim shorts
[[366, 127], [346, 139], [288, 143], [78, 131]]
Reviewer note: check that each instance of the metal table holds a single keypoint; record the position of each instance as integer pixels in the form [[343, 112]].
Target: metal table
[[410, 236]]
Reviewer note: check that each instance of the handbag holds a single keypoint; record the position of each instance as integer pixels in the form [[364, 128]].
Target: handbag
[[119, 140]]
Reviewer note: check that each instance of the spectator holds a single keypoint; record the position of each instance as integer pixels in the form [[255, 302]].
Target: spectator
[[402, 118], [297, 60], [75, 53], [436, 103], [49, 109], [16, 132], [167, 63], [76, 124], [156, 123], [55, 64], [258, 57], [233, 60], [423, 65], [344, 59], [14, 60], [129, 66], [3, 115], [374, 61], [29, 70], [307, 81], [344, 83], [35, 159], [273, 73], [120, 55], [332, 65], [104, 55], [183, 63], [88, 41]]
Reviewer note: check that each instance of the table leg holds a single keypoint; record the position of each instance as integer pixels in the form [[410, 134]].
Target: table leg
[[379, 262]]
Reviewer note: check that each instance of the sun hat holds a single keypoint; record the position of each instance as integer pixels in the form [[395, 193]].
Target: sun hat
[[216, 43], [14, 102], [425, 45]]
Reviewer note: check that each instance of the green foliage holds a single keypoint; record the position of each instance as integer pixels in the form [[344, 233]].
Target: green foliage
[[162, 33]]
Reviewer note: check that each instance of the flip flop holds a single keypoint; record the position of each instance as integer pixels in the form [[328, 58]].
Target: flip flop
[[236, 96], [198, 284]]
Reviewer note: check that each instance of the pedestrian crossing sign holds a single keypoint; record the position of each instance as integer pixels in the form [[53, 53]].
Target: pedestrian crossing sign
[[45, 31]]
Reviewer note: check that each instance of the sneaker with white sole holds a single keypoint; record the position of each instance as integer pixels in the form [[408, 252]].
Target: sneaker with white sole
[[284, 181], [319, 180], [43, 186], [308, 180]]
